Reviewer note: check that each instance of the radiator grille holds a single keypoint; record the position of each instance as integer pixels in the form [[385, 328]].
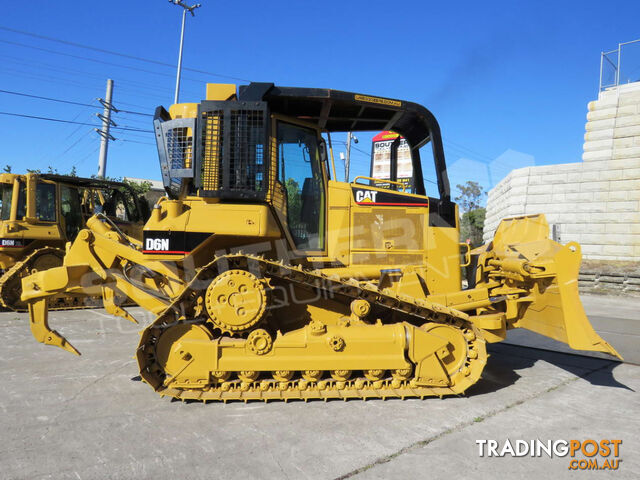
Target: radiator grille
[[212, 141], [233, 146], [246, 156]]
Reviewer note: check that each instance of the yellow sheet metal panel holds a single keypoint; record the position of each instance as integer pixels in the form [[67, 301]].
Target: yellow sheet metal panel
[[220, 91], [183, 110], [443, 260]]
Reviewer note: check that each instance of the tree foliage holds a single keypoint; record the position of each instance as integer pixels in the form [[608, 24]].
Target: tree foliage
[[294, 199], [472, 221], [139, 187], [472, 226], [470, 195]]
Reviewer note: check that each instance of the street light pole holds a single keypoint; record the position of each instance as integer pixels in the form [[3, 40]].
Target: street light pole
[[185, 8]]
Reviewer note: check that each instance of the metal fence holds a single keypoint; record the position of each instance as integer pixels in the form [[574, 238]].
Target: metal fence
[[621, 65]]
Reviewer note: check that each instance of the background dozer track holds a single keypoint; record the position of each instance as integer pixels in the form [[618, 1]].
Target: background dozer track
[[38, 261]]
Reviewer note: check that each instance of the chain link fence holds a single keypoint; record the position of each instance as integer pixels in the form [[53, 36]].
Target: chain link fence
[[621, 65]]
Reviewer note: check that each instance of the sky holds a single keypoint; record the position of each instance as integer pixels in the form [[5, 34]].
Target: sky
[[508, 81]]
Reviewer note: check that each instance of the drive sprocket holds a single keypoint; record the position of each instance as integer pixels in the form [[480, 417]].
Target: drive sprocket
[[236, 301]]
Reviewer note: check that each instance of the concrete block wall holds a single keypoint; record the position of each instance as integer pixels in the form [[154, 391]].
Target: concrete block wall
[[595, 202]]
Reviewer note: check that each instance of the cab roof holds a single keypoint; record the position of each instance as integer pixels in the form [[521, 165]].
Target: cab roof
[[339, 111]]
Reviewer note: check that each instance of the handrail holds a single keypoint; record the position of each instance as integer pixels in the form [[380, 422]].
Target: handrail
[[400, 184]]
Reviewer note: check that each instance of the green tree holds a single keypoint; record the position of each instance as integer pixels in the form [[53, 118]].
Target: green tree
[[472, 221], [294, 200], [472, 226], [139, 187], [470, 195]]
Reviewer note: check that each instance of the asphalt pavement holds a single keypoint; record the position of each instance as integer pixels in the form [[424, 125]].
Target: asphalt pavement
[[90, 417]]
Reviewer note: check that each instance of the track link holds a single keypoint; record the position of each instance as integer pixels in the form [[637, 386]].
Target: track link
[[235, 388], [11, 288]]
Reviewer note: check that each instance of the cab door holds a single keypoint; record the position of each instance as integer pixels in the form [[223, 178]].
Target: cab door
[[71, 210], [301, 186]]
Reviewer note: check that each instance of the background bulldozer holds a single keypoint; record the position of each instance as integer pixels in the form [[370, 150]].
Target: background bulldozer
[[39, 213], [270, 279]]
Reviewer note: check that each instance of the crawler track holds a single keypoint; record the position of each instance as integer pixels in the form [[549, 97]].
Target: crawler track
[[270, 385], [11, 288]]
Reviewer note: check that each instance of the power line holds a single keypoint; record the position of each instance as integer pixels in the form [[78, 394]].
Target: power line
[[47, 118], [78, 162], [48, 98], [130, 129], [111, 52], [135, 113], [82, 137], [135, 141], [143, 88], [88, 59], [471, 151], [75, 130], [123, 128], [51, 79]]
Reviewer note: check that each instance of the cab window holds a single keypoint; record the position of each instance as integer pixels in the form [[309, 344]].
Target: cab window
[[116, 206], [7, 192], [46, 202], [7, 201], [300, 172], [71, 210]]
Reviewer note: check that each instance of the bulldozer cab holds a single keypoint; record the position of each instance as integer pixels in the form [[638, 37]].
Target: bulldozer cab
[[272, 145], [39, 210], [229, 147]]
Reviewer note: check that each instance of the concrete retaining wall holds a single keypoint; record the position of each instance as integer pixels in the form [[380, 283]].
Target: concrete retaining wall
[[595, 202], [594, 282]]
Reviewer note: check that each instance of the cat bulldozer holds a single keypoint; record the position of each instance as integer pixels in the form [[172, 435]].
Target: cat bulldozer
[[40, 213], [270, 279]]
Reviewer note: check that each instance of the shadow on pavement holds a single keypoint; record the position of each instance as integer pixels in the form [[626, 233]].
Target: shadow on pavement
[[506, 360]]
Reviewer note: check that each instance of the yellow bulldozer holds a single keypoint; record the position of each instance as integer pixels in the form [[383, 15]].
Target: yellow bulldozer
[[39, 213], [271, 280]]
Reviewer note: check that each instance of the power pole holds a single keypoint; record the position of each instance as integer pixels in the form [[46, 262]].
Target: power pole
[[104, 131], [185, 9], [350, 137]]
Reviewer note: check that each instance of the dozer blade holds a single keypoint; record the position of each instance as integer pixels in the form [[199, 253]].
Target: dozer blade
[[553, 307]]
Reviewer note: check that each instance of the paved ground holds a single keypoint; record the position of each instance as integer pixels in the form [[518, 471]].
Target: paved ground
[[88, 417], [615, 318]]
